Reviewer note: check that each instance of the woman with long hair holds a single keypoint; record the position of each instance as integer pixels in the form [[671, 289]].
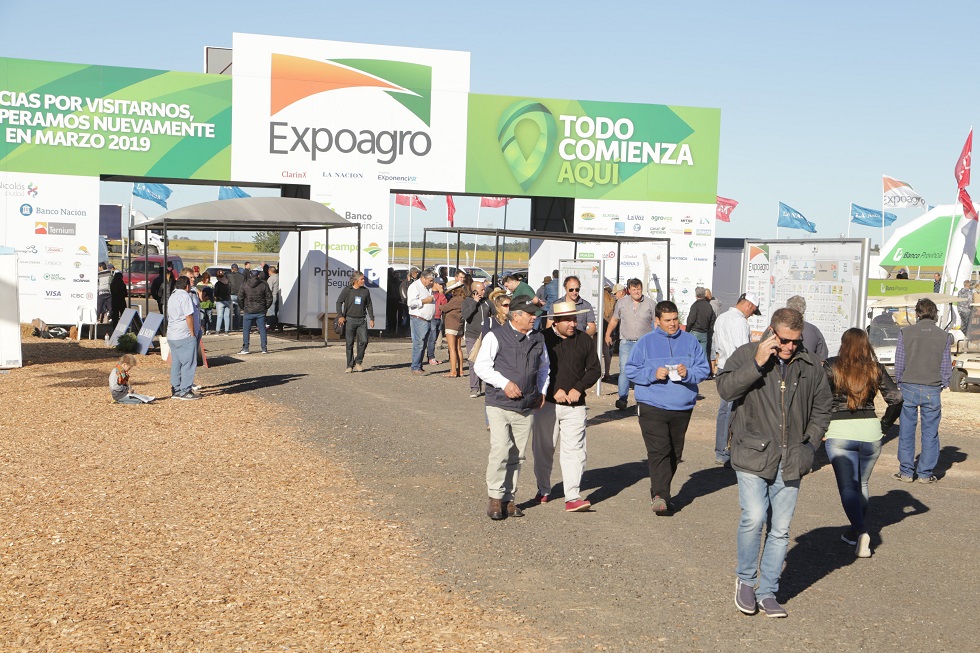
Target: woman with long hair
[[452, 318], [501, 302], [854, 436]]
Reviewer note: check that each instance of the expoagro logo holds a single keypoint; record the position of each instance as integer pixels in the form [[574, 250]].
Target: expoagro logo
[[297, 78], [373, 249]]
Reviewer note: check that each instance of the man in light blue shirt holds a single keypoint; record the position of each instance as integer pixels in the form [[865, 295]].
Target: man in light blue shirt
[[182, 341]]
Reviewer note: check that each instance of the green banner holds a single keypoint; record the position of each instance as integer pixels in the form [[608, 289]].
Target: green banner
[[591, 150], [895, 287], [73, 119]]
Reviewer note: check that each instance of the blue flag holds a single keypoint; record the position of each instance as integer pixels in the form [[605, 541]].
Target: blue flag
[[870, 217], [793, 219], [231, 193], [157, 193]]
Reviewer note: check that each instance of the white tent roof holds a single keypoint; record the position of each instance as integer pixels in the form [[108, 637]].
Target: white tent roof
[[250, 214]]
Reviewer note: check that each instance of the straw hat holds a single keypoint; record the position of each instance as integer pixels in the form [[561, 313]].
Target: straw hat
[[565, 309]]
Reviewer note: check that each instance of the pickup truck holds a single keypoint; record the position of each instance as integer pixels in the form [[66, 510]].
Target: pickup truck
[[140, 276]]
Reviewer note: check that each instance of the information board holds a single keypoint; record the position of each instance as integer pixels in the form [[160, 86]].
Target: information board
[[830, 274]]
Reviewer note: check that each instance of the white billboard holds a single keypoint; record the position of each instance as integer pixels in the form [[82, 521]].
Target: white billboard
[[53, 223], [353, 121], [690, 228]]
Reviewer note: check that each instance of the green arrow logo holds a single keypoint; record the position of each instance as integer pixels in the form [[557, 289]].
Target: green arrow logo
[[527, 133]]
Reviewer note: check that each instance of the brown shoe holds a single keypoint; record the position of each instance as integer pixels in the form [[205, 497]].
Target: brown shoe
[[513, 510], [495, 509]]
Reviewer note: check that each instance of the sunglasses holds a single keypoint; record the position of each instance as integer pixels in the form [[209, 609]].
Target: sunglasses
[[573, 289], [787, 341], [505, 306]]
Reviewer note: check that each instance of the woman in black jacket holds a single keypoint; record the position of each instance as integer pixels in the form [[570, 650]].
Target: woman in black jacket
[[854, 436]]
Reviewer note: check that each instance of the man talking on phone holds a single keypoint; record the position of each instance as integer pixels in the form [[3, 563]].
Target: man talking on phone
[[781, 409]]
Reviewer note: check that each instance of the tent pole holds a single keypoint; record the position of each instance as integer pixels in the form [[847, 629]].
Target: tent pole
[[170, 282], [496, 254], [425, 239], [146, 270], [299, 276], [326, 286], [457, 250]]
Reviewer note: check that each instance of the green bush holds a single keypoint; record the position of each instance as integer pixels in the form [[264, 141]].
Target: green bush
[[128, 344]]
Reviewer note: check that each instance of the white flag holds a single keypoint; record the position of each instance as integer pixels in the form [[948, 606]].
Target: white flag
[[899, 195]]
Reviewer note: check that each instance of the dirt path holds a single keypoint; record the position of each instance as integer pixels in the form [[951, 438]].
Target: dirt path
[[201, 526]]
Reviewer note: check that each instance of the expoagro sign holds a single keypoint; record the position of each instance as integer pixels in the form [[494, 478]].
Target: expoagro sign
[[353, 122]]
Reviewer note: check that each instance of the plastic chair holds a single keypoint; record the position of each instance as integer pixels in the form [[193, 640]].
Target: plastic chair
[[87, 316]]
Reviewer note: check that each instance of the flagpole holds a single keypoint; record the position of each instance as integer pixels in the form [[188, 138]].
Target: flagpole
[[850, 216], [411, 201], [475, 237], [949, 241]]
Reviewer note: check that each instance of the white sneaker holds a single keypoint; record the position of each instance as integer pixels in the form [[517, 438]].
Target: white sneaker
[[243, 352], [863, 549]]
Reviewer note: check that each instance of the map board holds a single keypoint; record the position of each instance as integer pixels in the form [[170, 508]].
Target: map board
[[830, 274]]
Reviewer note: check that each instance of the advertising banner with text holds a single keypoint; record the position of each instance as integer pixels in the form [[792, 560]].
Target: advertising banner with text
[[585, 149], [690, 228], [74, 119], [52, 222], [353, 121]]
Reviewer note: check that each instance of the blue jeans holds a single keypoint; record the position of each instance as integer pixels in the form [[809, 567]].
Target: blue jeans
[[756, 497], [853, 461], [224, 316], [183, 364], [625, 347], [206, 315], [420, 334], [721, 431], [434, 327], [247, 320], [702, 338], [235, 310], [919, 400]]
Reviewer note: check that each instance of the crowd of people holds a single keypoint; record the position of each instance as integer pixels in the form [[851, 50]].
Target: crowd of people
[[534, 356]]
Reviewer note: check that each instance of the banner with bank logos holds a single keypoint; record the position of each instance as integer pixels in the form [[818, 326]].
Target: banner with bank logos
[[353, 121], [53, 221], [591, 150], [690, 228]]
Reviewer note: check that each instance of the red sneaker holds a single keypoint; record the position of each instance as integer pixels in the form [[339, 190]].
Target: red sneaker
[[579, 505], [540, 498]]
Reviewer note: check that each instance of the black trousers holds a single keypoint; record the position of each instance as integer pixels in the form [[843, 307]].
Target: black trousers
[[663, 434], [355, 328]]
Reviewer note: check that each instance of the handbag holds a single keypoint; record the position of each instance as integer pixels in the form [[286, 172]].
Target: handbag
[[475, 349], [338, 328]]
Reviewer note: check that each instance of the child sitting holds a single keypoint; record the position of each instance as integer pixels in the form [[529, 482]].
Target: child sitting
[[119, 383]]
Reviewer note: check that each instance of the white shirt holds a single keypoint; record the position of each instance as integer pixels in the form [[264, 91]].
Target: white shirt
[[485, 370], [731, 332], [416, 293]]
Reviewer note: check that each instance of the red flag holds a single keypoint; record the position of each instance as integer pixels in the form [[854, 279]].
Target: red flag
[[494, 202], [962, 169], [450, 209], [968, 210], [724, 208], [410, 200]]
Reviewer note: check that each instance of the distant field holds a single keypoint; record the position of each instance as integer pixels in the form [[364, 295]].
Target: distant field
[[198, 252]]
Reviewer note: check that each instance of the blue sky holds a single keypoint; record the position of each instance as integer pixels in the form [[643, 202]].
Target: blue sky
[[818, 100]]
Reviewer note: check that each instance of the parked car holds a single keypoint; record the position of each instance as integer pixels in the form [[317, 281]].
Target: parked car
[[449, 271], [213, 271], [140, 275]]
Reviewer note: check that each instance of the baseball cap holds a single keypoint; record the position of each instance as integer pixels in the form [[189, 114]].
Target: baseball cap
[[618, 287], [524, 303], [752, 298]]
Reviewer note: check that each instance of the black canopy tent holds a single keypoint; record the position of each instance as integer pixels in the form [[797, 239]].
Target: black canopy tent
[[254, 214], [539, 235]]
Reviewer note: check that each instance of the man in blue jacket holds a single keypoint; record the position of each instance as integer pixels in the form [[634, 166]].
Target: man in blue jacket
[[665, 367]]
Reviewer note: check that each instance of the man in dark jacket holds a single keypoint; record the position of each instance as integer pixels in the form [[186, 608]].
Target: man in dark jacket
[[923, 368], [782, 404], [354, 310], [513, 362], [573, 369], [254, 298], [477, 314], [235, 281], [701, 319]]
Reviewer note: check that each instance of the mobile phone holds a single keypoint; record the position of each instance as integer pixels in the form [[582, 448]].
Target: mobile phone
[[768, 333]]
